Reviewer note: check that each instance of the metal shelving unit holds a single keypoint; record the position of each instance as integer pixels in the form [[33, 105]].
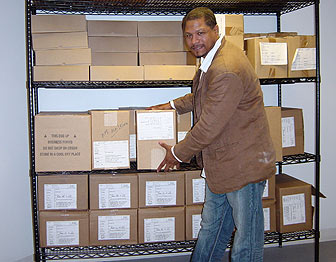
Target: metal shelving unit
[[161, 7]]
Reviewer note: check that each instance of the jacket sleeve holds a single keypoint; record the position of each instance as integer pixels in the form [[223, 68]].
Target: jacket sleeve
[[184, 104], [224, 92]]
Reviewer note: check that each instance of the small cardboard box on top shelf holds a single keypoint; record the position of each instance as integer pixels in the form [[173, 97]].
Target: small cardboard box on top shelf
[[58, 23]]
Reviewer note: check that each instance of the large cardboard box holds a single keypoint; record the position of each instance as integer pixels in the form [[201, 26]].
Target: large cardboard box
[[58, 23], [169, 72], [60, 40], [62, 142], [230, 25], [167, 58], [293, 204], [268, 56], [269, 215], [112, 28], [159, 28], [301, 56], [79, 56], [113, 227], [62, 192], [193, 221], [64, 228], [269, 192], [161, 189], [161, 44], [184, 123], [273, 114], [292, 131], [161, 224], [237, 40], [62, 73], [113, 44], [194, 187], [154, 126], [113, 191], [110, 139], [114, 59], [116, 73]]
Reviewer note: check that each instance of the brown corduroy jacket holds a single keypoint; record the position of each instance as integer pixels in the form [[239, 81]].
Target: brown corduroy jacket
[[230, 137]]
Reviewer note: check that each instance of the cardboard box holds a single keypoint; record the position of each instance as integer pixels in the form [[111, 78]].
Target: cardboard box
[[113, 191], [293, 205], [60, 40], [161, 224], [268, 56], [58, 23], [167, 58], [269, 215], [113, 44], [269, 192], [62, 142], [273, 114], [80, 56], [116, 73], [114, 59], [184, 123], [161, 189], [194, 187], [154, 126], [61, 73], [161, 44], [159, 28], [169, 72], [110, 139], [301, 56], [113, 227], [64, 228], [193, 221], [292, 131], [112, 28], [62, 192], [237, 40], [230, 25]]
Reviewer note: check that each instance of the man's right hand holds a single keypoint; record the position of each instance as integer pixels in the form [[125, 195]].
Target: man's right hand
[[165, 106]]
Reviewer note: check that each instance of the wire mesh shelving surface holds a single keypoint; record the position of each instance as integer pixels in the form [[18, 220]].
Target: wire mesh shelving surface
[[167, 7]]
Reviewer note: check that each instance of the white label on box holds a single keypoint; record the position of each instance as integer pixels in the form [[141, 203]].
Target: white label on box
[[267, 218], [181, 135], [161, 193], [159, 229], [111, 154], [133, 146], [114, 195], [198, 186], [273, 53], [220, 19], [113, 227], [288, 131], [265, 194], [60, 196], [62, 233], [196, 224], [304, 59], [293, 209], [155, 126], [110, 118]]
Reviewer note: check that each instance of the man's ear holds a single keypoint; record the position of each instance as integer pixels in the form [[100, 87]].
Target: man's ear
[[216, 29]]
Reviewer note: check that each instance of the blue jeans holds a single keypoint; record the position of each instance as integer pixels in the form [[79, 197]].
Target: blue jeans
[[222, 213]]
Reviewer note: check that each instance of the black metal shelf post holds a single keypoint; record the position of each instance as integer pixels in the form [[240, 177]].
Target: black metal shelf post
[[161, 7]]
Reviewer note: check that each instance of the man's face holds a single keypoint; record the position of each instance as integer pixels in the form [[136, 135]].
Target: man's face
[[199, 37]]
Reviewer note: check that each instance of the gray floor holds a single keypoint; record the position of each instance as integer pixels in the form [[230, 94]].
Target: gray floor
[[288, 253]]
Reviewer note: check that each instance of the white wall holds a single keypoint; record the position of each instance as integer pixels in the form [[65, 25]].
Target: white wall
[[16, 239]]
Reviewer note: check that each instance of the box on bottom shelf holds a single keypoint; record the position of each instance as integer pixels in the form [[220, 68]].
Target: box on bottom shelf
[[193, 221], [269, 215], [113, 227]]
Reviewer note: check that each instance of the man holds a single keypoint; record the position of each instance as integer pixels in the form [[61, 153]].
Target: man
[[230, 139]]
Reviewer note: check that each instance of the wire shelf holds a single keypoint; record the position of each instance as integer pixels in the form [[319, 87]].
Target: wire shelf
[[167, 7]]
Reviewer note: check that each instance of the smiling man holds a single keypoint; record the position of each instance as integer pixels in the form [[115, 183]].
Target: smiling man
[[230, 139]]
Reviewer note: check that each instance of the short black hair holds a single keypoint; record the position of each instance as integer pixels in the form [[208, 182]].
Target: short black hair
[[200, 12]]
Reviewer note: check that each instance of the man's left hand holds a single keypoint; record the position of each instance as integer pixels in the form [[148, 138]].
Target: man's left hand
[[169, 162]]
